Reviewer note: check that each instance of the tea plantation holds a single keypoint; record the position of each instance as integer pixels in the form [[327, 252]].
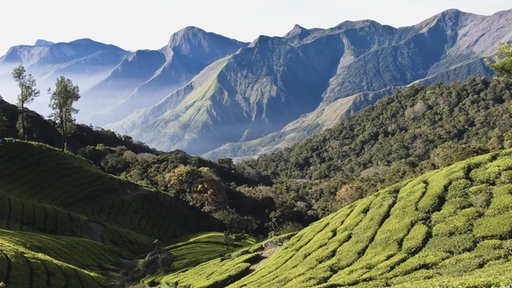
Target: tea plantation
[[447, 228], [64, 223]]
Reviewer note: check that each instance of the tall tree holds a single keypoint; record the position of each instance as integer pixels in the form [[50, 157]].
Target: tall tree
[[29, 92], [61, 102], [502, 62]]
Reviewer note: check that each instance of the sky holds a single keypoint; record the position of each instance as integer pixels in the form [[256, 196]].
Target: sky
[[148, 24]]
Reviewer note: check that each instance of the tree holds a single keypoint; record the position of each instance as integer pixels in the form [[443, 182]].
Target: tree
[[349, 194], [27, 85], [61, 102], [200, 187], [502, 62], [3, 120]]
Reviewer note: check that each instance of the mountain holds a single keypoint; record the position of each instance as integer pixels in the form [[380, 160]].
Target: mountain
[[145, 76], [114, 82], [269, 88], [47, 59], [84, 61]]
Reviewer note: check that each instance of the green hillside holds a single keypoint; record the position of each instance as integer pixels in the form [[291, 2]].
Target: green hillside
[[63, 222], [417, 129], [446, 228]]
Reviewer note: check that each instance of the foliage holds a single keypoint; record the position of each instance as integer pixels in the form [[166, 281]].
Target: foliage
[[3, 123], [216, 188], [200, 187], [44, 131], [349, 193], [61, 102], [502, 62], [28, 92]]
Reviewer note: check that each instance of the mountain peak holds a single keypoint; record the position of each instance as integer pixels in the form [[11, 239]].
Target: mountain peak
[[186, 34], [298, 32], [356, 24], [44, 43], [195, 43], [446, 18]]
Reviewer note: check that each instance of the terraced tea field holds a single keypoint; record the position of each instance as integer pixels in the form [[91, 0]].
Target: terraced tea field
[[38, 260], [447, 228], [196, 249], [64, 223]]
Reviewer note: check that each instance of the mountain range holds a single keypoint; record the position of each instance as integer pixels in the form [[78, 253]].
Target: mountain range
[[207, 94]]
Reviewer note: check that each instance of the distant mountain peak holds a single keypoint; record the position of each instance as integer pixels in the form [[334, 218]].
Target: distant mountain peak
[[446, 18], [356, 24], [186, 34], [298, 32], [191, 40], [44, 43]]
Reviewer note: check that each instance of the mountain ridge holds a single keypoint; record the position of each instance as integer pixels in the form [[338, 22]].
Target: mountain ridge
[[188, 52], [269, 85], [317, 67]]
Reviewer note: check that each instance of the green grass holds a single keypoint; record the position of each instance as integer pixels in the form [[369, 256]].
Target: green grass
[[446, 228]]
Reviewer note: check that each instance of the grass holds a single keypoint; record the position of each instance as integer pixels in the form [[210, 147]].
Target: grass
[[446, 228]]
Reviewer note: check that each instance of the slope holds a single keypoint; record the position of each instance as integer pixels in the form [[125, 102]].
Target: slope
[[64, 221], [448, 227], [145, 77]]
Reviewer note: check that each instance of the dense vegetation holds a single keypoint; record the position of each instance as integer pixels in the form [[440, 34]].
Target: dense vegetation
[[446, 228], [414, 130]]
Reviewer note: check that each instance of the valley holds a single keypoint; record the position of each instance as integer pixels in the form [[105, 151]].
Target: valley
[[361, 155]]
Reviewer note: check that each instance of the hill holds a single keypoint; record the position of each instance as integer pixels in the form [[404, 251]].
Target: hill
[[43, 130], [418, 128], [445, 228], [273, 84], [63, 222]]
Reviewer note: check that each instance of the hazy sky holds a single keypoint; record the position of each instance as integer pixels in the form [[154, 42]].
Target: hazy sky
[[147, 24]]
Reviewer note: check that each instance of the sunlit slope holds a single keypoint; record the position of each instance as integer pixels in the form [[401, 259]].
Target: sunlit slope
[[449, 227], [41, 260]]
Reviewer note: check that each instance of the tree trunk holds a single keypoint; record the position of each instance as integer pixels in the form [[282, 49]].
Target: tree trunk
[[63, 134], [23, 128]]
